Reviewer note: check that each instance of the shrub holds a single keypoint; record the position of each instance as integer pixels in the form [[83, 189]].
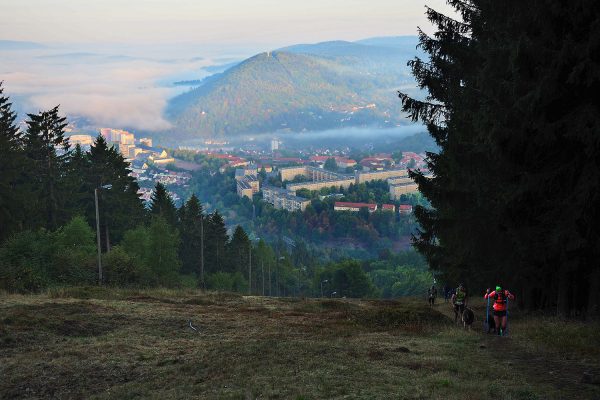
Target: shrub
[[23, 262], [230, 282], [124, 270]]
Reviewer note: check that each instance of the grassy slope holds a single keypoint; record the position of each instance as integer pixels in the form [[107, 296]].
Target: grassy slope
[[127, 344]]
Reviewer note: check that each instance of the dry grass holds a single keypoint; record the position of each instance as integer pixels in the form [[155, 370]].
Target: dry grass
[[102, 343]]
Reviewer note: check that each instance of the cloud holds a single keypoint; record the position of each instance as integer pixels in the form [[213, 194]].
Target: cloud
[[118, 92]]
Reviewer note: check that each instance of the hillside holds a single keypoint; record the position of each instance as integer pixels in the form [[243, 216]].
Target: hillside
[[303, 87], [117, 344]]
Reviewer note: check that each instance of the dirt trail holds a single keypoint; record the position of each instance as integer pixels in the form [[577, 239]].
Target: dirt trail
[[563, 372]]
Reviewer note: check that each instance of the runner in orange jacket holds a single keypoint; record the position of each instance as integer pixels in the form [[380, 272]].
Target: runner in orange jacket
[[500, 298]]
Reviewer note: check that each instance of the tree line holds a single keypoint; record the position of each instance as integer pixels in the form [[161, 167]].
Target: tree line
[[512, 104], [48, 207]]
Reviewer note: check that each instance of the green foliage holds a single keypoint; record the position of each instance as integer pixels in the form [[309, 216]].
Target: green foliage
[[13, 162], [33, 260], [24, 261], [43, 140], [74, 251], [136, 242], [297, 90], [330, 164], [238, 250], [162, 252], [162, 204], [192, 222], [125, 270], [347, 279], [225, 281]]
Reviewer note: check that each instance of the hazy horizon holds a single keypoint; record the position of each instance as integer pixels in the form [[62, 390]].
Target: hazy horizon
[[114, 63], [227, 22]]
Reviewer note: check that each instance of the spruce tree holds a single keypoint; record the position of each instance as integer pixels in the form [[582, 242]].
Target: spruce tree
[[510, 103], [75, 182], [192, 238], [120, 207], [162, 204], [12, 165], [238, 251], [48, 153], [215, 243]]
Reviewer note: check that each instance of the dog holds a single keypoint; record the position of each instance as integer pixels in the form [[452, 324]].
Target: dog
[[491, 324], [467, 318]]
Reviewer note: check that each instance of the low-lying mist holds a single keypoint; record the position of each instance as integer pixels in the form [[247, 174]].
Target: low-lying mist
[[118, 87]]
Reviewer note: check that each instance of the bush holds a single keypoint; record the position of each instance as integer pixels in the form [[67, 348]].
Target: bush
[[23, 262], [229, 282], [123, 270]]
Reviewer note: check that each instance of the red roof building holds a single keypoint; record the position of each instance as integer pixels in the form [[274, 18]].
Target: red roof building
[[405, 208], [388, 207]]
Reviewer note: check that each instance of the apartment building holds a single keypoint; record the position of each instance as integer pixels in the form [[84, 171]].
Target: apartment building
[[398, 189], [283, 199], [362, 177], [247, 186], [354, 207]]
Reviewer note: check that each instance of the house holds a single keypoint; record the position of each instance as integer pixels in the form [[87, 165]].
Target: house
[[405, 209], [267, 168], [354, 207], [388, 207], [344, 162]]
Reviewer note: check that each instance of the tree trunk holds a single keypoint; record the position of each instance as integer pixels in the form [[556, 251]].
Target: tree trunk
[[107, 239], [593, 304], [562, 301]]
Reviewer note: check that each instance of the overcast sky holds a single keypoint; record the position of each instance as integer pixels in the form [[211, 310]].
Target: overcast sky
[[268, 22]]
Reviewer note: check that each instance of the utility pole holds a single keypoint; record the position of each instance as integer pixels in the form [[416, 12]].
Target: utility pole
[[250, 268], [98, 237], [98, 230], [262, 267], [202, 252]]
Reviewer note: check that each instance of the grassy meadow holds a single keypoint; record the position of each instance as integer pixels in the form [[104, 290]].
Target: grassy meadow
[[96, 343]]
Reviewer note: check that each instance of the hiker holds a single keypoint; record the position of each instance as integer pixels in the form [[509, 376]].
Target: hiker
[[446, 293], [500, 298], [431, 295], [459, 301]]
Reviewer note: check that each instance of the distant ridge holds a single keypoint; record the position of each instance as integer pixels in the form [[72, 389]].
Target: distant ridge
[[320, 86]]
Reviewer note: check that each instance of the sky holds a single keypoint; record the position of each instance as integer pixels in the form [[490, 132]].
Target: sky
[[266, 22], [113, 62]]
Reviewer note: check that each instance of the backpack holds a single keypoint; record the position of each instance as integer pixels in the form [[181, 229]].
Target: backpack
[[500, 298]]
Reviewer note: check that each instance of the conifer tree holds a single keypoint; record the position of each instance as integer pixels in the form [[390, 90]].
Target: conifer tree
[[162, 257], [238, 251], [48, 153], [510, 100], [12, 164], [192, 238], [162, 204], [216, 240], [121, 208], [75, 182]]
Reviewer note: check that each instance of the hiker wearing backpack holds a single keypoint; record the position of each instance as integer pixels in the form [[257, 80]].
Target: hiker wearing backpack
[[431, 295], [500, 298], [459, 301]]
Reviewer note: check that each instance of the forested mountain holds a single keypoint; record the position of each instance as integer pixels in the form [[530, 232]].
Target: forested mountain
[[303, 87]]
